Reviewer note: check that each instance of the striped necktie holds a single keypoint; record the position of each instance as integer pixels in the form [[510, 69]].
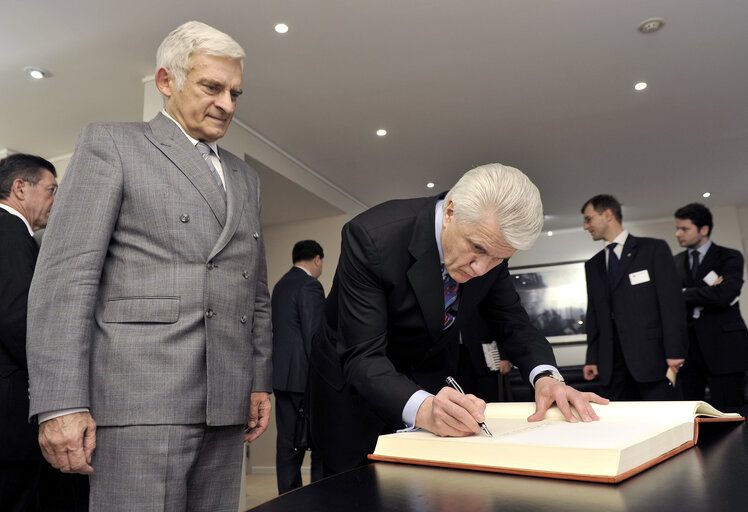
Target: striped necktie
[[612, 264], [205, 151], [450, 296]]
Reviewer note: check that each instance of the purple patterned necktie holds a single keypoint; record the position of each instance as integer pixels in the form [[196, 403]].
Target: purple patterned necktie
[[450, 295]]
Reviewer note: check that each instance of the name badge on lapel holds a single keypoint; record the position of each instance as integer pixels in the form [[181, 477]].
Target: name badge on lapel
[[639, 277]]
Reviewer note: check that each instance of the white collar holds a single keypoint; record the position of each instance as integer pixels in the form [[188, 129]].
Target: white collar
[[18, 214]]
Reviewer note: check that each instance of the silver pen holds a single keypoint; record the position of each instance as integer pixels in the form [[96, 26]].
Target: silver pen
[[453, 383]]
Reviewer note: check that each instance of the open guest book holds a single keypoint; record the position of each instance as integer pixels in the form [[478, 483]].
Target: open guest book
[[629, 438]]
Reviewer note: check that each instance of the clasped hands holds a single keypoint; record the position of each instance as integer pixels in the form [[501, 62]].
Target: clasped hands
[[450, 413]]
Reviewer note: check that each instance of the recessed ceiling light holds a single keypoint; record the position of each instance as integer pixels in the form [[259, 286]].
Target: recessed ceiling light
[[381, 132], [640, 86], [650, 25], [281, 28], [37, 73], [550, 233], [706, 194], [430, 184]]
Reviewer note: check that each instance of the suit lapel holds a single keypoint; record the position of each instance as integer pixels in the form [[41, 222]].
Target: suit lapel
[[708, 264], [424, 274], [167, 136], [237, 197]]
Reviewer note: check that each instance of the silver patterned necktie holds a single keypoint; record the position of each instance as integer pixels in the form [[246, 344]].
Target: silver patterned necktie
[[205, 150]]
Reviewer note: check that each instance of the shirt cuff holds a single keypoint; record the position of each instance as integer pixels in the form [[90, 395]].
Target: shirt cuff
[[538, 369], [46, 416], [411, 409]]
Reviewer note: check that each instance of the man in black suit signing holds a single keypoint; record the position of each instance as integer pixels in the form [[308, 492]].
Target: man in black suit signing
[[298, 303], [27, 482], [636, 329], [711, 276], [411, 273]]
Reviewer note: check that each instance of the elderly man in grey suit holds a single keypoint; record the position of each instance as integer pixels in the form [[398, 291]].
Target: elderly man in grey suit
[[149, 343]]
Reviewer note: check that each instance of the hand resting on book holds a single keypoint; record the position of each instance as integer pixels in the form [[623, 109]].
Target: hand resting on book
[[549, 390]]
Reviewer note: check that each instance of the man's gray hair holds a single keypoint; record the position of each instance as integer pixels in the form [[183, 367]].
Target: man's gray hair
[[191, 37], [506, 193]]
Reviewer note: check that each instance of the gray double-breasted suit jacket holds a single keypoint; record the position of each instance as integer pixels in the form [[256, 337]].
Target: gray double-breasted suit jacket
[[151, 304]]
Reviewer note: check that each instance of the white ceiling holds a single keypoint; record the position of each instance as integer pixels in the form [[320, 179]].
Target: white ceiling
[[543, 85]]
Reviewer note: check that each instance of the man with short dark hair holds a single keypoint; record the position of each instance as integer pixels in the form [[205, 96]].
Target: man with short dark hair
[[635, 326], [298, 302], [711, 276], [27, 482]]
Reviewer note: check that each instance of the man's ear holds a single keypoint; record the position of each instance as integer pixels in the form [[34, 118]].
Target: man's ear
[[449, 212], [17, 188], [704, 230], [164, 82]]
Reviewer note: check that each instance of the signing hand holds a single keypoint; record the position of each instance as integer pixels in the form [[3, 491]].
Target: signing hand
[[450, 413], [68, 441], [549, 390], [259, 416]]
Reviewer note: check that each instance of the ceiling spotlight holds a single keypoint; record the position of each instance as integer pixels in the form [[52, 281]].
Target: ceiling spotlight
[[281, 28], [650, 25], [430, 184], [640, 86], [381, 132], [550, 233], [37, 73], [706, 194]]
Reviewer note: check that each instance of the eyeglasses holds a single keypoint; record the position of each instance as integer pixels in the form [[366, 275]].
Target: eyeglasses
[[51, 190]]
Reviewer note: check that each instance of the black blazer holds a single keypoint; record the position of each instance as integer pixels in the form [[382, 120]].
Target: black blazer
[[649, 316], [18, 252], [382, 339], [298, 303], [720, 330]]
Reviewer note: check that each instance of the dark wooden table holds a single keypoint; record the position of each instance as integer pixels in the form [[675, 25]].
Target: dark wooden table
[[713, 476]]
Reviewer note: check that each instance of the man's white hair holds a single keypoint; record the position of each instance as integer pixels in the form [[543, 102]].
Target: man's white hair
[[507, 194], [191, 37]]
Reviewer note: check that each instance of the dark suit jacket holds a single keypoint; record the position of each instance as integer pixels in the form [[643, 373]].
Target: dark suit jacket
[[18, 252], [383, 340], [649, 316], [720, 330], [298, 303]]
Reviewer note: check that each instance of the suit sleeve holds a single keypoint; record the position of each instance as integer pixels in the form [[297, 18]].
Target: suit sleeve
[[670, 301], [64, 290], [16, 270], [311, 309], [362, 328], [721, 295], [592, 328]]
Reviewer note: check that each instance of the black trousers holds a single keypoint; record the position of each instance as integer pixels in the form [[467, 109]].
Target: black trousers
[[726, 390], [288, 459], [35, 486], [623, 386]]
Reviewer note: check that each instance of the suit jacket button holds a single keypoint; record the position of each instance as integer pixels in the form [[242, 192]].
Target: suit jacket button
[[243, 319], [210, 265], [184, 217], [245, 273], [209, 313]]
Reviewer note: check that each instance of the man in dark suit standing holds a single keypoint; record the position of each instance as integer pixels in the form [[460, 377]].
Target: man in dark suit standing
[[298, 303], [411, 273], [711, 277], [27, 482], [636, 332]]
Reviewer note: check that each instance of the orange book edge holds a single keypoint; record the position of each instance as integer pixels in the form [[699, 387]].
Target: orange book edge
[[563, 476]]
